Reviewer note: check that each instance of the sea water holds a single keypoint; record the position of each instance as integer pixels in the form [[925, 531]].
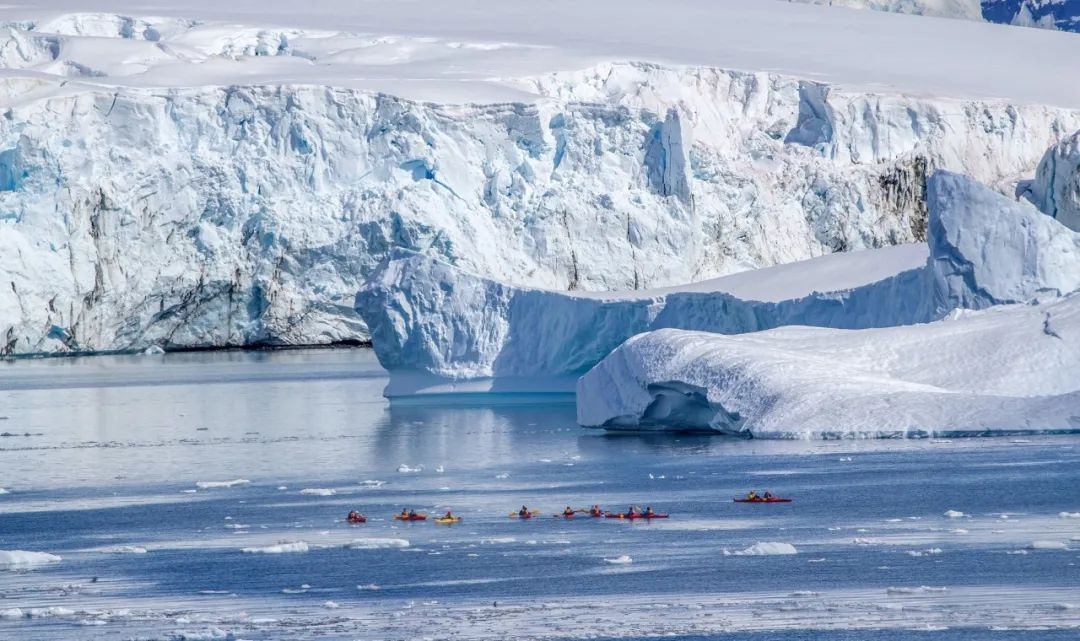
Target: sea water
[[203, 496]]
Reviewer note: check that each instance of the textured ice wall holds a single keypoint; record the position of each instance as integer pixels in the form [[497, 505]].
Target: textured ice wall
[[240, 215], [428, 317], [1056, 188]]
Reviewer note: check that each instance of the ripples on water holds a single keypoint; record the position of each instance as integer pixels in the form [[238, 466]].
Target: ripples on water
[[151, 476]]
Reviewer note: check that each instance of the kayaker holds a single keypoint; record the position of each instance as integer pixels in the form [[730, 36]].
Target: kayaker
[[768, 495], [404, 514], [449, 515], [569, 511], [524, 511], [412, 514], [596, 511], [648, 510], [752, 496], [633, 510]]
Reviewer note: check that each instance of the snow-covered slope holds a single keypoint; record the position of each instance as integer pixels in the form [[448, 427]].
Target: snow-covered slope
[[1010, 368], [1046, 14], [440, 329], [213, 179]]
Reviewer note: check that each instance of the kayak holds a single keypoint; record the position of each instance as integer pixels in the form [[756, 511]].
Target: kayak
[[357, 519], [411, 517], [596, 515], [774, 499], [515, 515], [445, 521], [620, 515]]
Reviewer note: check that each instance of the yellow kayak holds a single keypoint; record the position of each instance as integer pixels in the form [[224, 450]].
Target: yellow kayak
[[446, 521]]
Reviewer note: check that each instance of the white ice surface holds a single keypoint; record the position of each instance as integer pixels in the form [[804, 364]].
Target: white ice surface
[[22, 560], [231, 173], [996, 369], [439, 329]]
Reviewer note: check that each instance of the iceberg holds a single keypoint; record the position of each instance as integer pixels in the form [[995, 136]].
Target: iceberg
[[1007, 369], [1056, 188], [442, 330]]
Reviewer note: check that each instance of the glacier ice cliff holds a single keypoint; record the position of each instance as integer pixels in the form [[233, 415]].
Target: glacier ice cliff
[[440, 329], [1007, 369], [1056, 187], [1063, 15], [177, 183]]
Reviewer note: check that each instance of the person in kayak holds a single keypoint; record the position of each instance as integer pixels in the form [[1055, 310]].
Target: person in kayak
[[752, 496], [595, 511], [354, 516], [648, 511], [569, 511], [412, 514], [404, 514], [633, 510], [768, 495], [449, 516], [524, 511]]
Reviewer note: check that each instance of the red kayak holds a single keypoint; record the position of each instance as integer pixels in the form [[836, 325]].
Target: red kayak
[[357, 519], [620, 515], [411, 517], [772, 499]]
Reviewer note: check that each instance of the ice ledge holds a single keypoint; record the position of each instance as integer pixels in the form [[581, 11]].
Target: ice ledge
[[432, 319]]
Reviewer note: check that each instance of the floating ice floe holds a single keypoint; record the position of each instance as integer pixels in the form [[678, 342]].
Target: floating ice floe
[[209, 485], [765, 548], [318, 491], [405, 469], [376, 544], [278, 548], [23, 560], [922, 589], [1049, 545], [619, 560], [1069, 515], [954, 514], [124, 549]]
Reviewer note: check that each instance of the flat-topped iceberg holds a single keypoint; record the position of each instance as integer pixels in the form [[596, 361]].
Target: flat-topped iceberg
[[439, 329], [1011, 368]]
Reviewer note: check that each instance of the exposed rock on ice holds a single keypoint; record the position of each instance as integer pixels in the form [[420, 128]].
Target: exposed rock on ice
[[23, 560], [440, 329]]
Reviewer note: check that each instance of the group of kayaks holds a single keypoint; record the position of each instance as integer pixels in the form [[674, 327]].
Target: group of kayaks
[[633, 513]]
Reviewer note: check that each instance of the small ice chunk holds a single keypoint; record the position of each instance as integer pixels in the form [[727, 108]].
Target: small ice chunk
[[282, 488], [922, 589], [439, 469], [318, 491], [1049, 545], [766, 548], [23, 560], [209, 485], [125, 549], [619, 560], [331, 605], [954, 514], [12, 613], [370, 587], [279, 548], [4, 490], [504, 475], [405, 469], [1069, 515], [376, 544]]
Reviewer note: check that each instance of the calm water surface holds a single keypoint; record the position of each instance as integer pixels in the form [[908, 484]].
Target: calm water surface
[[202, 496]]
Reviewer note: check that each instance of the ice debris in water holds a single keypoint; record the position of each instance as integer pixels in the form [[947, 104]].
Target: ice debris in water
[[376, 544], [405, 469], [764, 548], [953, 514], [922, 589], [21, 559], [1069, 515], [928, 552], [620, 560], [4, 490], [504, 475], [1049, 545], [318, 491], [279, 548], [124, 549], [370, 587], [207, 485]]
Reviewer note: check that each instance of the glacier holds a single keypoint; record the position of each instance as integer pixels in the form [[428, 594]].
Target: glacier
[[441, 330], [1056, 186], [210, 179], [1063, 15]]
